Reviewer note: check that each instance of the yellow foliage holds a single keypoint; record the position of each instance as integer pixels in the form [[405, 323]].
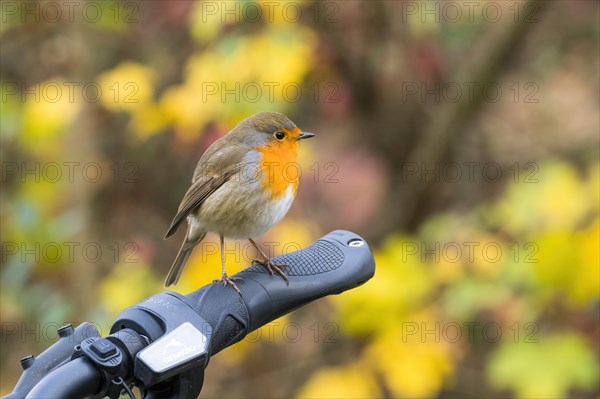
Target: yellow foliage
[[547, 369], [447, 272], [593, 185], [481, 253], [238, 77], [586, 278], [127, 284], [348, 381], [234, 78], [46, 196], [207, 19], [184, 106], [454, 245], [557, 201], [275, 12], [413, 367], [49, 111], [488, 256], [127, 87], [401, 283], [569, 262], [562, 259], [147, 119]]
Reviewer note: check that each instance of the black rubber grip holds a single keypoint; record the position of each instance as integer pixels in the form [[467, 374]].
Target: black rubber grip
[[78, 378], [339, 261]]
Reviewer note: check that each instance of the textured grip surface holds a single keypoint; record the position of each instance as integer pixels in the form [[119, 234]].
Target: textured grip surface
[[321, 257]]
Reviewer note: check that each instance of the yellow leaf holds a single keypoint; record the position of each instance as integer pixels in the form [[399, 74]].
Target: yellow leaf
[[126, 285], [548, 369], [569, 262], [349, 381], [239, 76], [413, 367], [585, 285], [47, 113], [206, 20], [147, 119], [401, 283], [556, 199], [127, 87]]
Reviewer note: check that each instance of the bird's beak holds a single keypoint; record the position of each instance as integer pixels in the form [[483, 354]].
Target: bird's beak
[[305, 135]]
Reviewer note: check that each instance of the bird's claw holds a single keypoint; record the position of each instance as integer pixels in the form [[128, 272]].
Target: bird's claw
[[229, 280], [270, 266]]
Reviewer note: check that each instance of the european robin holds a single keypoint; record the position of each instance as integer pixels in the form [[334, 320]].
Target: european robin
[[241, 187]]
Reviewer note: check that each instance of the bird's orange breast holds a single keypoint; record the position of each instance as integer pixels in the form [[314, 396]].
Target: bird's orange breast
[[279, 167]]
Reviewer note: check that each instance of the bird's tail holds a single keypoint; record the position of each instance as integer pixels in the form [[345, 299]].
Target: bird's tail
[[181, 259]]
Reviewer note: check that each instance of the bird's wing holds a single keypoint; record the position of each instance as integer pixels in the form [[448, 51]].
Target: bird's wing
[[215, 168], [196, 194]]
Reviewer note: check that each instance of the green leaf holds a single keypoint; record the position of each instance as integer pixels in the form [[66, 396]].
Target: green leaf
[[547, 369]]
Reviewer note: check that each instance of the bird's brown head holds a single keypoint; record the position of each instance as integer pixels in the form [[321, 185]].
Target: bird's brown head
[[271, 129]]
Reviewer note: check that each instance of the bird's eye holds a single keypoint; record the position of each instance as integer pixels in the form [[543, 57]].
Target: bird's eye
[[279, 135]]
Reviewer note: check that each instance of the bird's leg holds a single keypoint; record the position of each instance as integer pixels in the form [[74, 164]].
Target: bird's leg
[[225, 278], [266, 262]]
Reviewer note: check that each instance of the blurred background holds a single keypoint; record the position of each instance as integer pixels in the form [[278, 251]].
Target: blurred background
[[461, 139]]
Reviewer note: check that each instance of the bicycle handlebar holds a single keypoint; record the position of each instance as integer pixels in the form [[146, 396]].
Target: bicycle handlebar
[[83, 378], [328, 266], [339, 261]]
